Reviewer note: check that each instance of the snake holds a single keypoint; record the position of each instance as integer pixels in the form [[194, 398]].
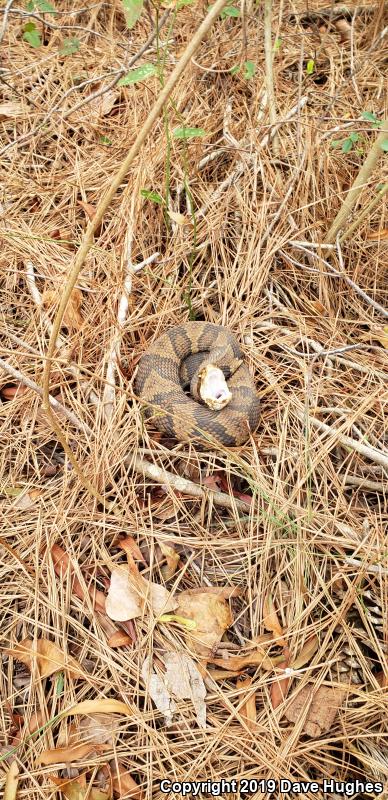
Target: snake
[[167, 384]]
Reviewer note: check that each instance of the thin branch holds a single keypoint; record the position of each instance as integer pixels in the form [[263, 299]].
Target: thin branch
[[55, 404], [360, 218], [268, 51]]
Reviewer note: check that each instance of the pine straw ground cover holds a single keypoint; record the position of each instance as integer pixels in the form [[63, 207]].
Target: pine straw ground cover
[[300, 539]]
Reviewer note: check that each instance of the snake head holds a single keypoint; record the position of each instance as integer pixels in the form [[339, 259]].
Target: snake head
[[213, 389]]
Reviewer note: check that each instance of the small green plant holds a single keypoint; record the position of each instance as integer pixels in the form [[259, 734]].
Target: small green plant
[[139, 74], [155, 197], [371, 117], [348, 143], [230, 11], [249, 68], [188, 133], [132, 10], [106, 140], [277, 44], [41, 5], [32, 35], [69, 46]]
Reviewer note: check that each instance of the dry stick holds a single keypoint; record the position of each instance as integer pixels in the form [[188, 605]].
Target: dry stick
[[268, 50], [111, 370], [361, 180], [95, 222]]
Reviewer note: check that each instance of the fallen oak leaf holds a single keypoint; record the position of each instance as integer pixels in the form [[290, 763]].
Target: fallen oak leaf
[[380, 234], [72, 317], [172, 559], [88, 208], [211, 614], [11, 782], [47, 657], [71, 753], [129, 592]]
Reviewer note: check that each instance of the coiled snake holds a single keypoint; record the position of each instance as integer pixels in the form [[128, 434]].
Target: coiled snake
[[189, 354]]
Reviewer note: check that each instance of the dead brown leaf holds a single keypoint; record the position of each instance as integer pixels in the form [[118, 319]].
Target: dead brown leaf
[[306, 653], [102, 705], [129, 546], [248, 709], [78, 789], [172, 560], [102, 106], [27, 499], [256, 658], [14, 390], [72, 317], [11, 782], [344, 29], [211, 614], [88, 208], [71, 753], [129, 593], [124, 785], [119, 639], [46, 657], [270, 618], [319, 707]]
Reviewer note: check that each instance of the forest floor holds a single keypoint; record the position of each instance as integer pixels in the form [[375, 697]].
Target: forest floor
[[271, 559]]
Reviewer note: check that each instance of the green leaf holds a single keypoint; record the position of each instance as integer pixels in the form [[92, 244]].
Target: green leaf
[[354, 137], [235, 70], [310, 66], [335, 143], [384, 145], [277, 45], [41, 5], [31, 35], [347, 145], [106, 140], [59, 684], [132, 11], [369, 115], [188, 133], [69, 46], [154, 196], [45, 7], [250, 69], [230, 11], [182, 3], [139, 74]]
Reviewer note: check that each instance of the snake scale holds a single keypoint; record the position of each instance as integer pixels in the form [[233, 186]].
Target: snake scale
[[173, 362]]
